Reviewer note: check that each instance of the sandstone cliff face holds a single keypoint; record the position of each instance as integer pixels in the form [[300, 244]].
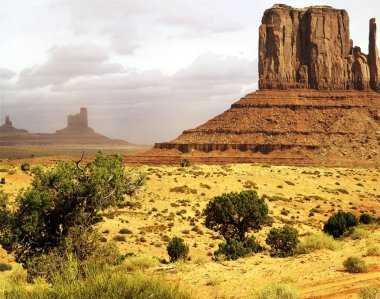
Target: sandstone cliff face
[[311, 48]]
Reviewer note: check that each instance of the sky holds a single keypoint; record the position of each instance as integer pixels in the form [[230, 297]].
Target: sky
[[145, 69]]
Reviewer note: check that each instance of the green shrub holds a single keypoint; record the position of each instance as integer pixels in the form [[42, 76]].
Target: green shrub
[[177, 249], [372, 292], [277, 291], [185, 163], [366, 218], [57, 213], [25, 167], [317, 242], [5, 267], [339, 223], [233, 249], [283, 241], [234, 214], [355, 264]]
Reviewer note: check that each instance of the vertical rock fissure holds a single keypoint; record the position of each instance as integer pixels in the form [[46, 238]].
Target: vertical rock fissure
[[311, 48]]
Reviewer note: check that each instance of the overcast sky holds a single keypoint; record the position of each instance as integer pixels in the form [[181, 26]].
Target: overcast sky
[[145, 69]]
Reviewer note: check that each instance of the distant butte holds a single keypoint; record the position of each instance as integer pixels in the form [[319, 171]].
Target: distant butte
[[76, 132], [318, 101], [7, 127]]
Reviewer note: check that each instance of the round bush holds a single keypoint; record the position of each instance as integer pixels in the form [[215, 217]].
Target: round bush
[[355, 264], [283, 241], [177, 249], [25, 167], [339, 223], [185, 163], [366, 218], [234, 214], [233, 249]]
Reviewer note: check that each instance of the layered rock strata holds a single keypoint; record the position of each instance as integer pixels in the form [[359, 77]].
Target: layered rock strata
[[306, 123]]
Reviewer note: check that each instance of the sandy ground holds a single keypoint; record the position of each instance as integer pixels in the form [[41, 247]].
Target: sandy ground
[[171, 202]]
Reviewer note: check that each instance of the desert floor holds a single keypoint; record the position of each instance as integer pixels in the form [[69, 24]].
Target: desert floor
[[171, 203]]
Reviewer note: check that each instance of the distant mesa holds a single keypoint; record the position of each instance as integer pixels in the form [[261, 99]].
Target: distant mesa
[[76, 132], [77, 123], [318, 101], [7, 127]]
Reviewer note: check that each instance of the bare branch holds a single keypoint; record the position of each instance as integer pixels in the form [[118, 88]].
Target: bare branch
[[80, 160]]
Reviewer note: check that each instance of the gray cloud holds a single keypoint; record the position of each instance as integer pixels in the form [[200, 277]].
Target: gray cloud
[[6, 74], [68, 62], [196, 22], [142, 107]]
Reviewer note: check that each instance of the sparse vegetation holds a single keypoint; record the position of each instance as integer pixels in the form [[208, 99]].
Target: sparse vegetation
[[372, 292], [183, 189], [277, 290], [155, 215], [317, 242], [358, 233], [355, 264], [373, 251], [106, 283]]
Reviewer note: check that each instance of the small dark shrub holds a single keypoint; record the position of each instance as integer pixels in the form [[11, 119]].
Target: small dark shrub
[[25, 167], [5, 267], [283, 241], [177, 249], [119, 238], [366, 218], [125, 231], [185, 163], [355, 264], [233, 249], [2, 181], [339, 223]]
